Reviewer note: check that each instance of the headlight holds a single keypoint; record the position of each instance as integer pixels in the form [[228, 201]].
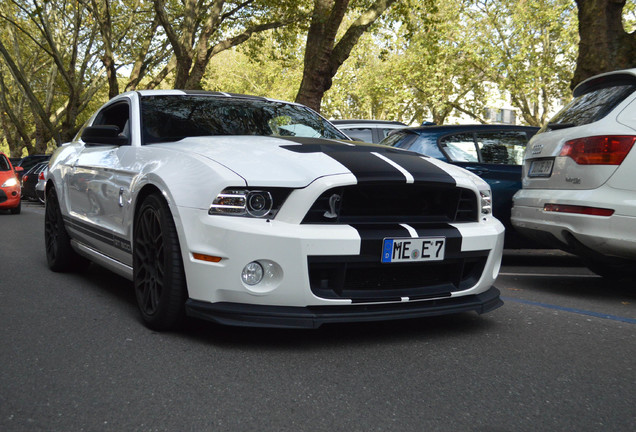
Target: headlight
[[486, 202], [485, 193], [248, 202], [10, 182]]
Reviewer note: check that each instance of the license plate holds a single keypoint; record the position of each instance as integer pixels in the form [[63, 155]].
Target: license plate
[[413, 249], [541, 168]]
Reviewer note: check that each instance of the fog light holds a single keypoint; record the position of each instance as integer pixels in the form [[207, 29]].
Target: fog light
[[252, 273]]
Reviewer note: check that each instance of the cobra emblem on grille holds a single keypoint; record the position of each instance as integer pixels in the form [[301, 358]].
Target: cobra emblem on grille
[[333, 205]]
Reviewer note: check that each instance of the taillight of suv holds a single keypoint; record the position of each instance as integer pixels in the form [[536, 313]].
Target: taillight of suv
[[599, 150]]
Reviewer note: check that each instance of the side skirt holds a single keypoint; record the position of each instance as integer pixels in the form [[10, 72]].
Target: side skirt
[[103, 260]]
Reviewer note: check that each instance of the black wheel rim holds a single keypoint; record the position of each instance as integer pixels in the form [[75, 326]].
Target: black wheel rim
[[149, 263], [52, 225]]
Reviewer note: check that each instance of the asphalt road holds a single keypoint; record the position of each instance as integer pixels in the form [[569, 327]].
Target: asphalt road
[[560, 355]]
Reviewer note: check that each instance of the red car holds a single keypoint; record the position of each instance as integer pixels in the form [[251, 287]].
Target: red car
[[9, 186]]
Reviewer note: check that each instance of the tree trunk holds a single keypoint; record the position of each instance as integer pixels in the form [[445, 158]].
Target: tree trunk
[[323, 56], [604, 44]]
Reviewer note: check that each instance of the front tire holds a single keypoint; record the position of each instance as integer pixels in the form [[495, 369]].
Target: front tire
[[158, 274], [17, 209], [60, 256]]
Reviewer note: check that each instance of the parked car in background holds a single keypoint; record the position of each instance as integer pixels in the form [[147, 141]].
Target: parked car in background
[[30, 180], [41, 185], [30, 161], [10, 196], [371, 131], [579, 177], [494, 152], [250, 211]]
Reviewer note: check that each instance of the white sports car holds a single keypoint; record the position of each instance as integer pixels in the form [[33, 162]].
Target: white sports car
[[250, 211]]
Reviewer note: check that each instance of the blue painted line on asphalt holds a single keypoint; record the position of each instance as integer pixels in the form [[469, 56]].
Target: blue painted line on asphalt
[[573, 310]]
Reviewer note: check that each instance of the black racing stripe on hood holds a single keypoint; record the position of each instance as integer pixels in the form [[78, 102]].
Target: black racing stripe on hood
[[421, 169], [358, 159], [368, 167]]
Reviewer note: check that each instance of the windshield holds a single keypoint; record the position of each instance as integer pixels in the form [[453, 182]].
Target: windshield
[[172, 118]]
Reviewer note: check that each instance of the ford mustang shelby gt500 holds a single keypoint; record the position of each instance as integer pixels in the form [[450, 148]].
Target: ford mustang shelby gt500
[[251, 211]]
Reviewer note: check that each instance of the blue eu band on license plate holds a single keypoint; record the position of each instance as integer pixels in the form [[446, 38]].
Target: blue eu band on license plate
[[413, 249]]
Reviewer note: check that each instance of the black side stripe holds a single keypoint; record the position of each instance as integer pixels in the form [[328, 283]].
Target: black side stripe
[[99, 234]]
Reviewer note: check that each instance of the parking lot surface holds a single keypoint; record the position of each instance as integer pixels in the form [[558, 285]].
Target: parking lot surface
[[559, 355]]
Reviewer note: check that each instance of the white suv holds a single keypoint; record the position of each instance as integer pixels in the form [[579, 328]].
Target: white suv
[[579, 177]]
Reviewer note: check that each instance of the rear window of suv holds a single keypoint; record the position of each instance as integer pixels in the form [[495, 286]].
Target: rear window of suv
[[592, 105]]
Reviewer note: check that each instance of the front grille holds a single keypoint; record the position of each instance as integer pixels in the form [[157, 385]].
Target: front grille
[[340, 278], [410, 203]]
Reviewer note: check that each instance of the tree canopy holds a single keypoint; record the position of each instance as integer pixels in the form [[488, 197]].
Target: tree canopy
[[408, 60]]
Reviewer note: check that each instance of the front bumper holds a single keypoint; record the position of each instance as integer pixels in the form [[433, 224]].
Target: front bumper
[[314, 316], [10, 197], [305, 264]]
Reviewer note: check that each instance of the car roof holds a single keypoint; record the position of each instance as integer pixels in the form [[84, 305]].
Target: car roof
[[366, 122], [200, 93], [625, 76], [444, 129]]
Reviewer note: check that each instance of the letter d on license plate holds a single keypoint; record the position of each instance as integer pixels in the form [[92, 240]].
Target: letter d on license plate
[[413, 249]]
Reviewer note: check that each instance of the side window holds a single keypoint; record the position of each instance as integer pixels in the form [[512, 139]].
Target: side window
[[4, 164], [117, 114], [360, 134], [502, 147], [460, 147]]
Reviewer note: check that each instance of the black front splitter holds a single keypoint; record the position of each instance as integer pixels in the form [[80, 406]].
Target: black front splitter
[[248, 315]]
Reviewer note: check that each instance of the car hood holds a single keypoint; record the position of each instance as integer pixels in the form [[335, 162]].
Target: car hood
[[296, 162]]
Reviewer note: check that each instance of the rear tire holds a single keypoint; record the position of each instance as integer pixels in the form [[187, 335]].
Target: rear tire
[[158, 274], [612, 271], [60, 256]]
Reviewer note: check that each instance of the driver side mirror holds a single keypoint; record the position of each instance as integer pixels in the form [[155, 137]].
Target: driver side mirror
[[104, 135]]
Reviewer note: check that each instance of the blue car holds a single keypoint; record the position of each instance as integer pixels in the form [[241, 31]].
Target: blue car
[[494, 152]]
